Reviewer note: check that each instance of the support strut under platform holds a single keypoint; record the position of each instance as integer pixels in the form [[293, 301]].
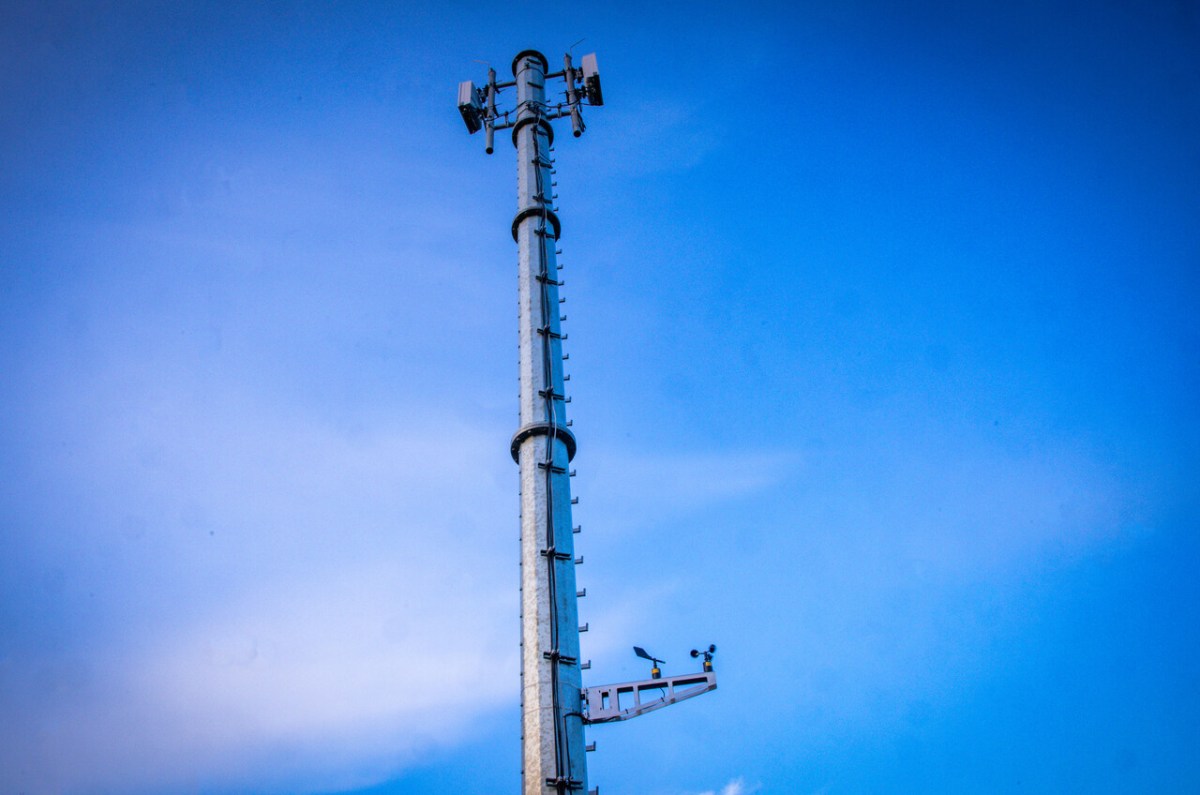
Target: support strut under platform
[[608, 703]]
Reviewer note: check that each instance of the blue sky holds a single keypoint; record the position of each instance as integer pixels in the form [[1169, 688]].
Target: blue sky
[[885, 360]]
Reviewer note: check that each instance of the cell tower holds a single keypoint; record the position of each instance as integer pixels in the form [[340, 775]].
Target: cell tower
[[555, 707]]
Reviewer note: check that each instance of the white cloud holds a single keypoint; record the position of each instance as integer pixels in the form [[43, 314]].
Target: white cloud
[[736, 786], [360, 670], [637, 489], [257, 583]]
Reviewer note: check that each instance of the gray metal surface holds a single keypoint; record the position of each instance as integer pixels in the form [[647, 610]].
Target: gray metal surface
[[551, 699], [554, 706], [608, 703]]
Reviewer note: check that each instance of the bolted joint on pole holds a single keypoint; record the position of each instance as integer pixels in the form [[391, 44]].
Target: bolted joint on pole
[[527, 54]]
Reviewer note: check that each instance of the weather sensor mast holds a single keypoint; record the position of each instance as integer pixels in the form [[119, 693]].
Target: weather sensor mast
[[554, 705]]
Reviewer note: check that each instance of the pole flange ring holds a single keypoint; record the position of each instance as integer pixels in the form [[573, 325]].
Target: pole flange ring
[[530, 54], [529, 212], [542, 429], [540, 121]]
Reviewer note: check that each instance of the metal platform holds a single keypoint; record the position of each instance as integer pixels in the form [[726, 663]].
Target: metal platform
[[608, 703]]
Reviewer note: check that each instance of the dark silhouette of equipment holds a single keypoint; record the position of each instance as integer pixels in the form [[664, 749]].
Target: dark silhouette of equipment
[[655, 671], [708, 655]]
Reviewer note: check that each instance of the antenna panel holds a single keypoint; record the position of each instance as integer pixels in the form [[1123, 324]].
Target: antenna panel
[[469, 107], [591, 79]]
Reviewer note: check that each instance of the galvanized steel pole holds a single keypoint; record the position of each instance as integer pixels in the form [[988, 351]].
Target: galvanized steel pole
[[552, 701], [554, 706], [551, 704]]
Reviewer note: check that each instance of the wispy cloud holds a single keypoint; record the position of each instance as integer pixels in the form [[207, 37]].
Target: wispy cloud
[[637, 488], [737, 786], [256, 581], [359, 670]]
